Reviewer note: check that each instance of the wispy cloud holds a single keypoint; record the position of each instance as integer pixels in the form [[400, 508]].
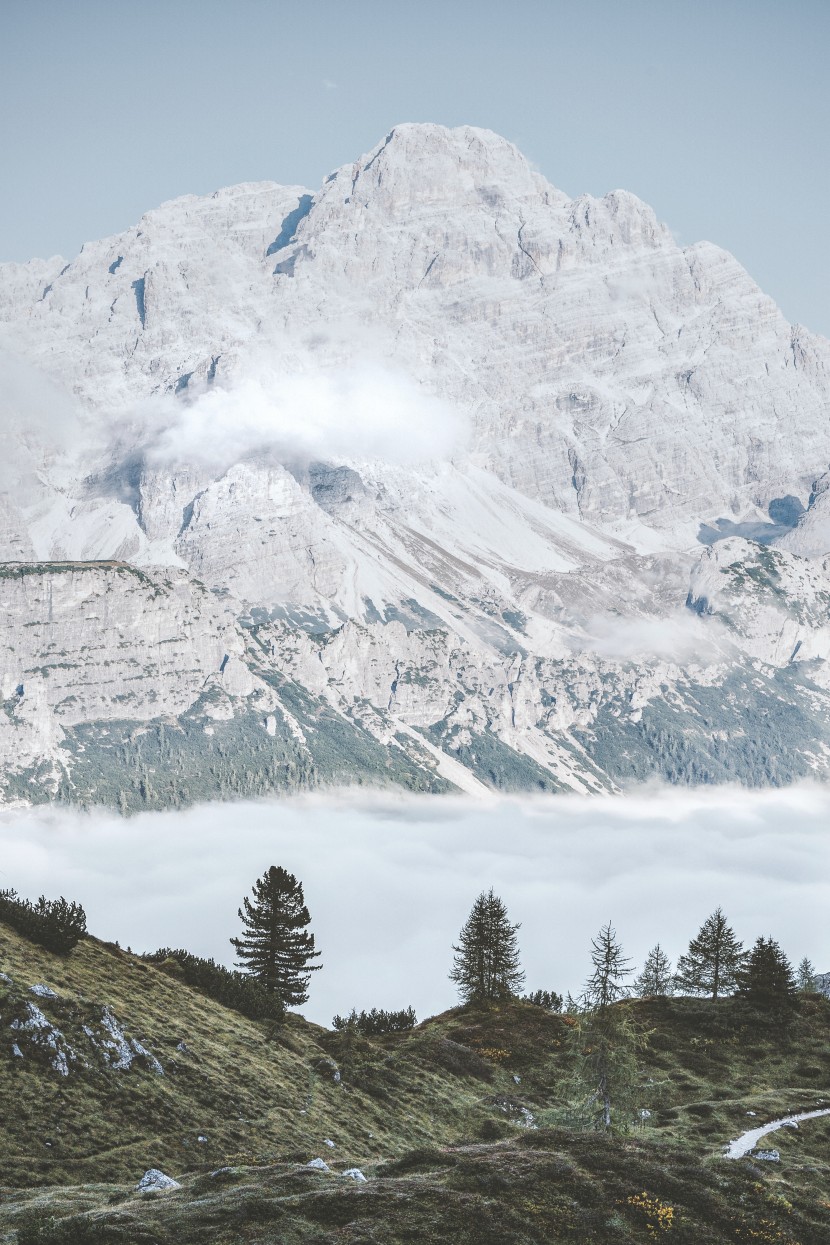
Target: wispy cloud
[[365, 412], [38, 420], [389, 880], [287, 406], [681, 637]]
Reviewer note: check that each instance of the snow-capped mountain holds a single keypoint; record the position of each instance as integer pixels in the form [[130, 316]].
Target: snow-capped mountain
[[435, 476]]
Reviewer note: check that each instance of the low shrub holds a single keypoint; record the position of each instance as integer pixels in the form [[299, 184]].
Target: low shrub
[[702, 1110], [376, 1022], [231, 988], [38, 1227], [55, 924], [493, 1130], [457, 1059], [423, 1159], [549, 999]]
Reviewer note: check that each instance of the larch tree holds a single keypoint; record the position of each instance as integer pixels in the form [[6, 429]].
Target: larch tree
[[486, 964], [806, 977], [610, 968], [276, 947], [657, 979], [713, 961], [605, 1042]]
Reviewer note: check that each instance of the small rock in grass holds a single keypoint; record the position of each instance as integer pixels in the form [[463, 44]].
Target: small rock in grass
[[16, 1051], [201, 1138], [753, 1113], [354, 1173], [319, 1165], [42, 991], [328, 1142], [769, 1156], [327, 1067], [517, 1079], [155, 1181]]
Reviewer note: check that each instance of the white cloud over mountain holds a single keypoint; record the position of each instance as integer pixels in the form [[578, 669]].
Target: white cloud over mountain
[[358, 412]]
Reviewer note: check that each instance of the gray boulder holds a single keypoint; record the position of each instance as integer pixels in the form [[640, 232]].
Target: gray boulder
[[155, 1181]]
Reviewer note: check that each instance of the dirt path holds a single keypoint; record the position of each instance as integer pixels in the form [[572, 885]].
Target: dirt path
[[747, 1141]]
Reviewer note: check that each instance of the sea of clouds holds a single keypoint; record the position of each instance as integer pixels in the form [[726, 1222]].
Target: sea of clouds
[[390, 879]]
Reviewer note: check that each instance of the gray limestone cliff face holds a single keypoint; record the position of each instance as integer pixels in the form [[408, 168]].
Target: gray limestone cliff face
[[82, 642], [97, 636], [146, 691]]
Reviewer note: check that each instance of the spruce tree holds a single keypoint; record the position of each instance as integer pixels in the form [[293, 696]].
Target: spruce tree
[[486, 964], [767, 979], [713, 961], [656, 980], [806, 978], [275, 946]]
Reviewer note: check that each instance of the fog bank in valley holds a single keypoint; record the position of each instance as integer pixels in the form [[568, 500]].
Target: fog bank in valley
[[389, 879]]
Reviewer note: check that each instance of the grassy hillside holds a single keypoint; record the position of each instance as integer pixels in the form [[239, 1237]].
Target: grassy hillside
[[251, 1090], [457, 1125]]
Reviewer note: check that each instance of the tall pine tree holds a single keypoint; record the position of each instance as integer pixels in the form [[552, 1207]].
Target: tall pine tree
[[275, 946], [486, 962], [713, 961]]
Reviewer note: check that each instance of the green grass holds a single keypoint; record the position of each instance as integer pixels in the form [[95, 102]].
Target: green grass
[[434, 1117]]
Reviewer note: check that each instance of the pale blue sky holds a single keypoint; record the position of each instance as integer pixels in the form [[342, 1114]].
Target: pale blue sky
[[717, 112]]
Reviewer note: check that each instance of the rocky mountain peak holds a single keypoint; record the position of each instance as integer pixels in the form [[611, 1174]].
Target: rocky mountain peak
[[247, 369], [422, 166]]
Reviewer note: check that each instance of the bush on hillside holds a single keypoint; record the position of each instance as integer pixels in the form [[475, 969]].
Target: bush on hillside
[[55, 924], [376, 1022], [227, 986], [40, 1227], [549, 999]]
